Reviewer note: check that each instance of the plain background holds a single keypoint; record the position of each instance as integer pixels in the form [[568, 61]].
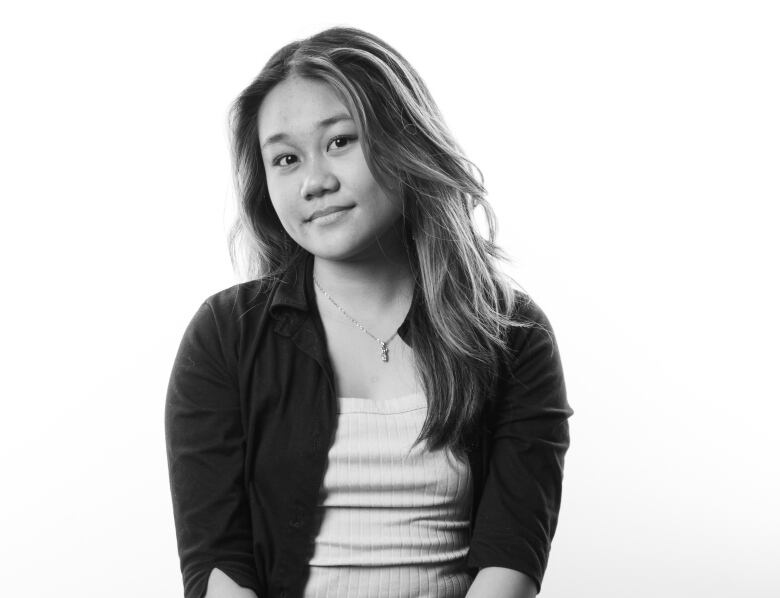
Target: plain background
[[631, 153]]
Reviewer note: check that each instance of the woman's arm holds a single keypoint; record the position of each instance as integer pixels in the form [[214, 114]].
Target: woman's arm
[[221, 586], [205, 444], [529, 436], [499, 582]]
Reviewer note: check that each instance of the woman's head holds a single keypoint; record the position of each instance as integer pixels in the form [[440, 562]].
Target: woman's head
[[401, 136], [350, 123]]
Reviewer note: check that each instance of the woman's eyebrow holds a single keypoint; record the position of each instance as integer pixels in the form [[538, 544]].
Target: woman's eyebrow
[[277, 137]]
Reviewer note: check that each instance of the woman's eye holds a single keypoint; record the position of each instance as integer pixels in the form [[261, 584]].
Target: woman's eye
[[341, 141], [284, 160]]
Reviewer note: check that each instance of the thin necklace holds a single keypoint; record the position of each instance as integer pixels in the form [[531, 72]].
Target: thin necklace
[[382, 344]]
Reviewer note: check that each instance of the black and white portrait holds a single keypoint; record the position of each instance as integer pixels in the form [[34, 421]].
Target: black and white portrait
[[431, 300]]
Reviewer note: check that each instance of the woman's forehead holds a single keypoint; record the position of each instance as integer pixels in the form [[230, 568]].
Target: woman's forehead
[[300, 106]]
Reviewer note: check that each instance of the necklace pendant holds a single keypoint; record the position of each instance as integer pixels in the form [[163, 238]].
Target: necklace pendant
[[384, 352]]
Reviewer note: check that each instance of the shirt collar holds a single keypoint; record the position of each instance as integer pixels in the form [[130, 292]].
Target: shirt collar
[[291, 289], [294, 294]]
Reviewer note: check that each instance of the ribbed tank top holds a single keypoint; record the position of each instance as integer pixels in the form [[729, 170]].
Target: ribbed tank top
[[395, 520]]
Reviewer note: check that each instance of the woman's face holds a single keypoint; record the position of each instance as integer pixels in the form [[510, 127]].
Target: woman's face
[[314, 161]]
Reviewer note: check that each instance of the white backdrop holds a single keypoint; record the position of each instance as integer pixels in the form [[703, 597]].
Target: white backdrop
[[631, 152]]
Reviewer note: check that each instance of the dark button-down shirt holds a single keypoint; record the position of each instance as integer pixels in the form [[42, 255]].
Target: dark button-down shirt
[[250, 414]]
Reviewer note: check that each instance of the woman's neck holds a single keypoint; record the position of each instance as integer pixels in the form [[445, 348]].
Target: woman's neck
[[369, 290]]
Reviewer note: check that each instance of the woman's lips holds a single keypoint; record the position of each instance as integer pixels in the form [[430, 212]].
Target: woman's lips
[[326, 211]]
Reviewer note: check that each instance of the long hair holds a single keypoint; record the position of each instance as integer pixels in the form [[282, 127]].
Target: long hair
[[459, 333]]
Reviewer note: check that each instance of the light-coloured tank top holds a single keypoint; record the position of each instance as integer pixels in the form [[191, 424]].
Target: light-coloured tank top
[[395, 520]]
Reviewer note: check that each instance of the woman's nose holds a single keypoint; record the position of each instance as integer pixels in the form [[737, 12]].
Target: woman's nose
[[319, 180]]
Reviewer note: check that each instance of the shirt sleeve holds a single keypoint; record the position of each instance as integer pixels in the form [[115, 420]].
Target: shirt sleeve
[[205, 449], [518, 511]]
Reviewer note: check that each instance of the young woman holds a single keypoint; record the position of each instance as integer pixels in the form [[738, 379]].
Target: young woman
[[378, 411]]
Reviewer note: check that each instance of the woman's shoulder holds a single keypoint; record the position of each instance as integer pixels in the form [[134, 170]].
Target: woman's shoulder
[[244, 295], [528, 314], [531, 334], [535, 370], [239, 306]]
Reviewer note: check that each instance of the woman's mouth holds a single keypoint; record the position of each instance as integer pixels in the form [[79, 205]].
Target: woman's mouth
[[329, 214]]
